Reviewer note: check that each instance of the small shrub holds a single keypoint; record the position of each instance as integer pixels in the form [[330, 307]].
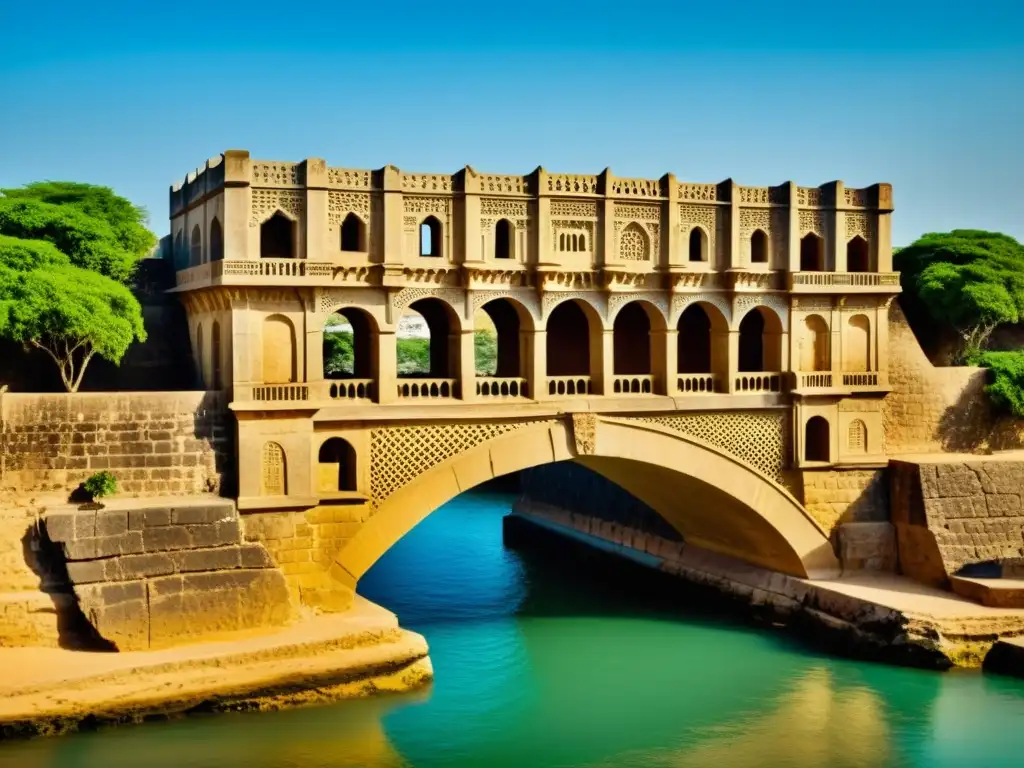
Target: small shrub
[[1006, 380], [100, 485]]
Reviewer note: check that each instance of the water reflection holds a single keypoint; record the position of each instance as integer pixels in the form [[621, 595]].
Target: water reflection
[[546, 660]]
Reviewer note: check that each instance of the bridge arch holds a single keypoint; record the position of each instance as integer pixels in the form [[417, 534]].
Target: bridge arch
[[733, 508]]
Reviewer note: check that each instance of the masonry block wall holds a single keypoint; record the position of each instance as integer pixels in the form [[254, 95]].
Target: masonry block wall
[[153, 442]]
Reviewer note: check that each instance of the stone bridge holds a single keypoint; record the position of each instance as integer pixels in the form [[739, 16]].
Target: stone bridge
[[701, 345]]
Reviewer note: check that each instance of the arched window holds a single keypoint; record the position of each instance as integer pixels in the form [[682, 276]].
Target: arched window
[[424, 340], [273, 471], [568, 340], [180, 257], [337, 461], [816, 439], [504, 246], [200, 356], [857, 344], [698, 245], [812, 253], [350, 345], [575, 243], [497, 353], [561, 242], [857, 257], [215, 355], [760, 341], [196, 250], [814, 345], [631, 341], [216, 240], [759, 247], [583, 242], [430, 237], [353, 234], [633, 244], [277, 237], [857, 437], [693, 341], [279, 358]]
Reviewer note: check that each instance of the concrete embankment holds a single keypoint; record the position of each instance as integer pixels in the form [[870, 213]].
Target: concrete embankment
[[880, 617], [49, 691]]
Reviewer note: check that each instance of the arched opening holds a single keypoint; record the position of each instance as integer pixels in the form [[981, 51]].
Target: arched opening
[[499, 339], [200, 355], [697, 245], [277, 237], [337, 465], [353, 234], [857, 344], [760, 341], [816, 439], [812, 253], [569, 340], [428, 341], [634, 244], [857, 437], [279, 355], [196, 251], [631, 341], [814, 345], [702, 340], [430, 237], [216, 240], [504, 243], [215, 356], [759, 247], [350, 351], [273, 471], [857, 257]]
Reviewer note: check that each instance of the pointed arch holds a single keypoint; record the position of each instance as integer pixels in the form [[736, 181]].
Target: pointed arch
[[812, 253], [634, 244], [196, 247], [216, 240], [858, 257], [278, 237]]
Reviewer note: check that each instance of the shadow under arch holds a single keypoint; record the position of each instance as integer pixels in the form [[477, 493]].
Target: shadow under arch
[[732, 508]]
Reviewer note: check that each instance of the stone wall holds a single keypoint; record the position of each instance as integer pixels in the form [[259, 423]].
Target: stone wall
[[938, 409], [838, 496], [952, 514], [153, 442], [156, 575]]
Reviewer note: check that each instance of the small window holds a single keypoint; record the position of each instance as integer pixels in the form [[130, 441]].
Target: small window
[[430, 237], [857, 257], [277, 237], [759, 247], [216, 240], [697, 245], [857, 439], [353, 234], [503, 245], [812, 253], [196, 256]]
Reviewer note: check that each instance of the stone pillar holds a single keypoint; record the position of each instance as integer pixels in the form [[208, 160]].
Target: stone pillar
[[244, 338], [316, 208], [671, 253], [606, 222], [835, 244], [463, 345], [392, 229], [602, 361], [473, 235], [545, 248], [835, 345], [735, 258], [665, 363], [535, 361], [387, 367], [237, 205], [732, 356], [880, 341], [883, 229], [314, 348], [793, 235]]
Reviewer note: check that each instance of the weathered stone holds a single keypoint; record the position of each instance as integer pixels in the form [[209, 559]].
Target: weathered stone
[[147, 565], [128, 543], [215, 534], [148, 518], [255, 556], [111, 523], [87, 571], [207, 559], [168, 537], [60, 526], [200, 514], [79, 549]]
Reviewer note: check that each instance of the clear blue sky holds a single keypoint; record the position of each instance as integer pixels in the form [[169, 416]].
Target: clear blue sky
[[927, 96]]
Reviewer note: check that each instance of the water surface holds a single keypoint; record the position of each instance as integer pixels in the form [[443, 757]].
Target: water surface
[[543, 659]]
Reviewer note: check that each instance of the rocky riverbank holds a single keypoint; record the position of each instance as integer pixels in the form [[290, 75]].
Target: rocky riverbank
[[879, 617]]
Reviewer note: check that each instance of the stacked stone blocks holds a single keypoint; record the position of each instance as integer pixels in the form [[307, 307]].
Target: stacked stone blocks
[[163, 575]]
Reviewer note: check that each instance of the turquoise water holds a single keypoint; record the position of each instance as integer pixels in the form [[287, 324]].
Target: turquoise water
[[546, 660]]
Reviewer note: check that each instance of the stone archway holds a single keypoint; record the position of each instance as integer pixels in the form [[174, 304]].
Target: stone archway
[[732, 508]]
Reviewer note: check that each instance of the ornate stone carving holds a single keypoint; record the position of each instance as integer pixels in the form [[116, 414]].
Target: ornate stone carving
[[634, 244], [808, 196], [266, 201], [276, 174], [682, 300], [426, 182], [569, 227], [498, 184], [436, 205], [593, 298], [812, 302], [704, 215], [503, 207], [341, 203], [743, 303], [754, 195], [618, 300], [455, 297], [702, 192], [527, 298], [346, 178], [571, 183], [857, 224], [755, 218], [584, 433], [856, 198], [273, 474], [637, 212], [811, 221], [574, 209], [636, 187], [329, 300]]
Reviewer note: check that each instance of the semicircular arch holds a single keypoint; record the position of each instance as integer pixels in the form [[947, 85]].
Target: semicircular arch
[[733, 508]]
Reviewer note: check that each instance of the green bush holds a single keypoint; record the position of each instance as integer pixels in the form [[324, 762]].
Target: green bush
[[100, 485], [1006, 379]]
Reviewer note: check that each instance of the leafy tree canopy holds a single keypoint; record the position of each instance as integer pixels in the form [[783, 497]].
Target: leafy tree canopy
[[96, 228], [970, 280]]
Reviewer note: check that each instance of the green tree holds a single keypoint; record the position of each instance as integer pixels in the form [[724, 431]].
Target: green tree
[[413, 356], [97, 229], [71, 313], [1006, 380], [969, 280], [339, 354], [485, 346]]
